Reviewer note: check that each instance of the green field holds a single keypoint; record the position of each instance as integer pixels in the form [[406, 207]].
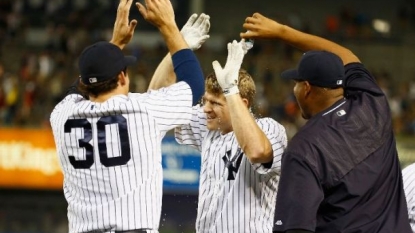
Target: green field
[[406, 149]]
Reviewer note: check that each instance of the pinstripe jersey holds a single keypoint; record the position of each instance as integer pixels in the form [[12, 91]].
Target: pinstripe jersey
[[110, 154], [408, 176], [234, 195]]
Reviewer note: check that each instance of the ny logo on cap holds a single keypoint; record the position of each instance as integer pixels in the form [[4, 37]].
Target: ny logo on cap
[[339, 82], [93, 80]]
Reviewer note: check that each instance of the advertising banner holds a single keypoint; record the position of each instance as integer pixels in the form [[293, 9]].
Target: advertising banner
[[28, 160]]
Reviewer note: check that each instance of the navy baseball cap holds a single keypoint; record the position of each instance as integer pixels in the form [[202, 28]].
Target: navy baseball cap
[[319, 68], [102, 61]]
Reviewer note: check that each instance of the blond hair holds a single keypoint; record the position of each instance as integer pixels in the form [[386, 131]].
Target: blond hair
[[246, 85]]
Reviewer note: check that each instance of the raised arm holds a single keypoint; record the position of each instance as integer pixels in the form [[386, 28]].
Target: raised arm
[[250, 136], [259, 26], [122, 34], [160, 14], [123, 29], [195, 33], [186, 66]]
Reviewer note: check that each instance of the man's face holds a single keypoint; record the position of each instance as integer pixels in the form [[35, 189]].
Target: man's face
[[217, 112]]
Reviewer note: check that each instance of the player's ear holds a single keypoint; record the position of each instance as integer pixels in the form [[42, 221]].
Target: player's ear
[[122, 78], [307, 88], [245, 101]]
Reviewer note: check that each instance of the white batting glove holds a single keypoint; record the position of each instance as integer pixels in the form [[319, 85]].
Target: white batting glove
[[246, 45], [195, 31], [229, 75]]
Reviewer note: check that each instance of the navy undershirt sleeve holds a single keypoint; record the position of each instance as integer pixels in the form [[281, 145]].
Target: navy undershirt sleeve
[[358, 78], [187, 69]]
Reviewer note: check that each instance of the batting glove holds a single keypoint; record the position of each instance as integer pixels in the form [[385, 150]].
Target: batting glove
[[229, 75], [195, 31], [247, 45]]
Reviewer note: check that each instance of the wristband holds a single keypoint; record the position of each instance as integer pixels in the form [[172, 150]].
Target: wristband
[[231, 91]]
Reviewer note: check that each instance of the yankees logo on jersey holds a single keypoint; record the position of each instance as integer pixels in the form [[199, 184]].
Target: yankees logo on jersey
[[229, 163], [234, 195], [110, 154]]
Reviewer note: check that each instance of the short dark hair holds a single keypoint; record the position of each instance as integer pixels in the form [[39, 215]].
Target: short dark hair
[[96, 89]]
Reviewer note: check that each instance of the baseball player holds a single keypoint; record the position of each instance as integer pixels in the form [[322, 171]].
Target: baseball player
[[408, 176], [341, 171], [109, 142], [240, 154]]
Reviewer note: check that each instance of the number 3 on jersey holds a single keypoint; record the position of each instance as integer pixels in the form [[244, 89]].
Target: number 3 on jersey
[[86, 126]]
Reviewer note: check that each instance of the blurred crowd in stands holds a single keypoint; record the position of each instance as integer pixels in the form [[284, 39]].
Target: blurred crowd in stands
[[34, 78]]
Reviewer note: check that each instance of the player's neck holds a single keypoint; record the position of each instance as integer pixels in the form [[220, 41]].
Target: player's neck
[[325, 99], [104, 97]]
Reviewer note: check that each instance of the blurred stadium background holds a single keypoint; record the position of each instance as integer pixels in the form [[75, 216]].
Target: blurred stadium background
[[40, 41]]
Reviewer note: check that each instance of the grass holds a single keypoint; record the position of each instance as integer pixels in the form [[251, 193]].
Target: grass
[[406, 149]]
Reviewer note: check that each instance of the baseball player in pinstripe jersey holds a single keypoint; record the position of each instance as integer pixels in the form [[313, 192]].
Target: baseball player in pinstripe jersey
[[408, 176], [240, 154], [109, 143]]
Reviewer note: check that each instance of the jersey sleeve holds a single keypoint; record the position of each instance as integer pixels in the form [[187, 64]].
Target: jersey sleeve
[[63, 105], [408, 176], [192, 134], [278, 138], [297, 204], [170, 106], [358, 78]]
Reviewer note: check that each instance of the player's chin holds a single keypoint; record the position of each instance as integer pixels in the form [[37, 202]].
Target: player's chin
[[212, 125]]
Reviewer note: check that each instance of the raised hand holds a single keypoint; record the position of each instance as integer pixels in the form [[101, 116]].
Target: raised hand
[[160, 13], [123, 29], [228, 76], [259, 26], [195, 31]]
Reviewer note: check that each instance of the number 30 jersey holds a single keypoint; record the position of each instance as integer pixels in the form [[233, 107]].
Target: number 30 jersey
[[110, 155]]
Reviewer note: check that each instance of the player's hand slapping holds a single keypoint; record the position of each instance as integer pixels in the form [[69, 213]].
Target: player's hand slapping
[[259, 26], [160, 13], [228, 76], [195, 31], [123, 29]]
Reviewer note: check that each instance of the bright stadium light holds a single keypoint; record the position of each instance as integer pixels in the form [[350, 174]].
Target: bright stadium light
[[381, 26]]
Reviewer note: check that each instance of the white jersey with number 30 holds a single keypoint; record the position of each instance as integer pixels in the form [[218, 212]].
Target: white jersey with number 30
[[110, 154]]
